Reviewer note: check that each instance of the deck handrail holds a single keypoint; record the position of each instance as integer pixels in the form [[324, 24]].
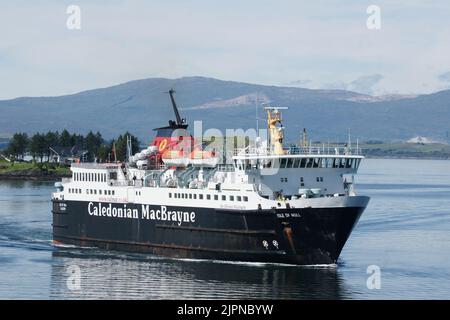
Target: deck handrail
[[295, 150]]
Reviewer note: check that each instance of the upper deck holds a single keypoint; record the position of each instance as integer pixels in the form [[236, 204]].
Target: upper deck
[[250, 152]]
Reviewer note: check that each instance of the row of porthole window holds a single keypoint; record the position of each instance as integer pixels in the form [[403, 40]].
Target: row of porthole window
[[92, 191], [89, 176], [201, 196], [318, 179]]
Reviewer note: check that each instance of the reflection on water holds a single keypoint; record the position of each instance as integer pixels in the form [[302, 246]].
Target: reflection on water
[[405, 231], [150, 277]]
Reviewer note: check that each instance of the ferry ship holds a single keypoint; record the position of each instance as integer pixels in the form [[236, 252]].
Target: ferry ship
[[270, 204]]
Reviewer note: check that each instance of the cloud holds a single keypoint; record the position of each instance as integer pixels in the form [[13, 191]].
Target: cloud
[[299, 83], [267, 42], [365, 84], [444, 77]]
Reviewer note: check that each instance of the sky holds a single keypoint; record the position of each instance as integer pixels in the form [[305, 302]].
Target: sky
[[311, 44]]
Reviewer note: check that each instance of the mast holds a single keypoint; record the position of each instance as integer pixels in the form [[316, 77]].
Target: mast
[[175, 109], [129, 151], [275, 132]]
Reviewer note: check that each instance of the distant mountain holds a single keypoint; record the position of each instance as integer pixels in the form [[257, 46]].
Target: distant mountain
[[141, 105]]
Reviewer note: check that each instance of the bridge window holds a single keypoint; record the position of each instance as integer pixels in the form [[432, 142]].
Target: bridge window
[[349, 163], [283, 163], [309, 163], [267, 163], [208, 197], [224, 198], [200, 196], [290, 162], [216, 197], [303, 163], [231, 198], [238, 198], [296, 163], [335, 163], [245, 198], [316, 162]]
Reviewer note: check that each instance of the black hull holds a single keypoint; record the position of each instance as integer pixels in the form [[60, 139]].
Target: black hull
[[305, 236]]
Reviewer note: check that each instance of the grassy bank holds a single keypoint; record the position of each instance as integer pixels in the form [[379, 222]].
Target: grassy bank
[[32, 171]]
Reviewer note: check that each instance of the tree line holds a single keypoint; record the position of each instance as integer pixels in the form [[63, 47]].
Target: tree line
[[40, 145]]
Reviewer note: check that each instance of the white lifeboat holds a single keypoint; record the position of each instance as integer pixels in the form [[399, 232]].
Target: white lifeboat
[[196, 158], [174, 158], [200, 158]]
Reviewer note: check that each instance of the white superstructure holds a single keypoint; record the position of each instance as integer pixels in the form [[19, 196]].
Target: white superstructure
[[260, 176]]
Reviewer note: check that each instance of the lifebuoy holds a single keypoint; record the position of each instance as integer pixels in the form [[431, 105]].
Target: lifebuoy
[[162, 145]]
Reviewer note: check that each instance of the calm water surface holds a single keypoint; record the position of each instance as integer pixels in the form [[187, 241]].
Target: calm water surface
[[405, 231]]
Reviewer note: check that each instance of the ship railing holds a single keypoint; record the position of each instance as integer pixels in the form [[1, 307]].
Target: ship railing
[[295, 150], [89, 165], [121, 183], [225, 167], [66, 180], [324, 150]]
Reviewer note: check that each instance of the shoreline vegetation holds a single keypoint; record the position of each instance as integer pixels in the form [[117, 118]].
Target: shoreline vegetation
[[33, 171], [47, 156], [402, 150], [54, 172], [13, 167]]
